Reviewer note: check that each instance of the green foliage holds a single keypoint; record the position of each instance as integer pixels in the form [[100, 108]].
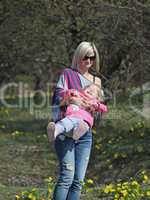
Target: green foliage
[[120, 151], [37, 194], [129, 190], [38, 38]]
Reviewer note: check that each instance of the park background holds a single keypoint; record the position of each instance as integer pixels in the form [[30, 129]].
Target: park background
[[37, 41]]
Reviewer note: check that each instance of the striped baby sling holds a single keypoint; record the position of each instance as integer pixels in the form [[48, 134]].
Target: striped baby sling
[[73, 81]]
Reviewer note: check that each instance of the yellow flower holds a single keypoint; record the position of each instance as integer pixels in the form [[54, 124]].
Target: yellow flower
[[34, 189], [116, 196], [124, 192], [119, 185], [50, 178], [145, 177], [108, 189], [148, 193], [143, 172], [32, 197], [90, 181], [134, 183], [94, 131], [98, 146], [49, 190], [125, 183], [17, 197]]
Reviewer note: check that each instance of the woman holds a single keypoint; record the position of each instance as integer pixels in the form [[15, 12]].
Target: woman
[[73, 154]]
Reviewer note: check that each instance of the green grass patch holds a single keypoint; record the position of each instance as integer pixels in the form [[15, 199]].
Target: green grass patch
[[121, 149]]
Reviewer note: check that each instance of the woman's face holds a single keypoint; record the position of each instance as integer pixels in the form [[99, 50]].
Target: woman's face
[[88, 60]]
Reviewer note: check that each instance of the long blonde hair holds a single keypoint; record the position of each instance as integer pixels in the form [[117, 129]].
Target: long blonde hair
[[81, 50]]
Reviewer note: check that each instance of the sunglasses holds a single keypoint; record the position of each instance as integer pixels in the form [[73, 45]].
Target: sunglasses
[[92, 58]]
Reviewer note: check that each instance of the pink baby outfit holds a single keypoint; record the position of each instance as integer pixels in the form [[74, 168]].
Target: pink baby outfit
[[76, 111]]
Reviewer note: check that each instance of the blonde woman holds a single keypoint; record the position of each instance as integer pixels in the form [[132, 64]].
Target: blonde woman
[[73, 154]]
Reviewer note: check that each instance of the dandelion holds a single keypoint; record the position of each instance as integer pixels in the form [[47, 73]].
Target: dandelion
[[116, 197], [98, 146], [108, 189], [94, 131], [148, 193], [50, 178], [124, 193], [17, 197], [143, 172], [90, 181], [49, 190], [34, 189], [134, 183], [31, 196], [145, 177]]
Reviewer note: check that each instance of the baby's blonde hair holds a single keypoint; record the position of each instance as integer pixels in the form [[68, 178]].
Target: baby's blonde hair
[[99, 94]]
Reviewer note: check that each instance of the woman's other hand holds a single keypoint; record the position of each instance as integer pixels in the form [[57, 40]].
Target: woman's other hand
[[79, 101]]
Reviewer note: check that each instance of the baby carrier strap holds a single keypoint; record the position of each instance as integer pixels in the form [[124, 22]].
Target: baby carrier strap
[[73, 81]]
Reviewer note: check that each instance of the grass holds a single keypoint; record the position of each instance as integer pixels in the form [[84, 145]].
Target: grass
[[121, 149], [26, 157]]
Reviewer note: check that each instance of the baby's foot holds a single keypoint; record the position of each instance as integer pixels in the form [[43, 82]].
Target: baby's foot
[[80, 130], [51, 131]]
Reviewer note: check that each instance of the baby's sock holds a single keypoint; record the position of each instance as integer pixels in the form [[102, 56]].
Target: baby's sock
[[59, 128], [53, 130], [80, 130]]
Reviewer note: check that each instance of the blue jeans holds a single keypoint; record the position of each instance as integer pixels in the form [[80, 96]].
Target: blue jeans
[[73, 159]]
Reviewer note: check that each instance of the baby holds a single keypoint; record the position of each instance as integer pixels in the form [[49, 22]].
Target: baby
[[78, 118]]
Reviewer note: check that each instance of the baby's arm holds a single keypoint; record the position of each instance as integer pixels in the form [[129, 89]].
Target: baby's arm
[[100, 107]]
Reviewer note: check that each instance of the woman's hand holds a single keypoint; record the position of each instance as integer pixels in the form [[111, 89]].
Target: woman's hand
[[79, 101]]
